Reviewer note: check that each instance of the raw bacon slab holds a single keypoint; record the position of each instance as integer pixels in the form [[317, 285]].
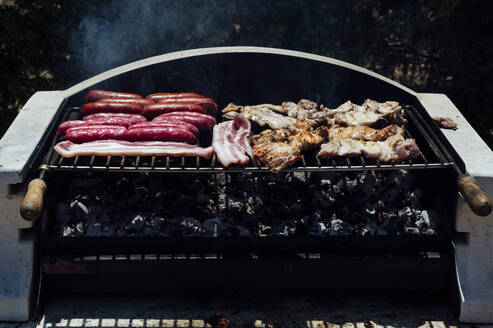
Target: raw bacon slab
[[230, 141], [126, 148]]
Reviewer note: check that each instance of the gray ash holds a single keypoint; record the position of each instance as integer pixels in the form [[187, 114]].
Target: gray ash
[[332, 204]]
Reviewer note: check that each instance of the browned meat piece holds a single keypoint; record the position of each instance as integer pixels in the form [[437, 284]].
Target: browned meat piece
[[349, 114], [276, 155], [445, 122], [280, 148], [366, 133]]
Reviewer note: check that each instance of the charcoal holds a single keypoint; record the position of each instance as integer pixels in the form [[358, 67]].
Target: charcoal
[[338, 227], [190, 227], [239, 230], [284, 229], [63, 213], [214, 227], [317, 204], [318, 229], [350, 184], [94, 229], [405, 213], [136, 225], [428, 232], [80, 229], [366, 181], [157, 223], [427, 219], [411, 230], [79, 210], [68, 231]]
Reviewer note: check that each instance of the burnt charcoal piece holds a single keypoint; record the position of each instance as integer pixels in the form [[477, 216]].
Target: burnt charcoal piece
[[318, 229], [190, 227], [214, 227], [338, 227]]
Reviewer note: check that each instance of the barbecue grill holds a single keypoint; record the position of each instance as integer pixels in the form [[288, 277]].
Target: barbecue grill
[[39, 261]]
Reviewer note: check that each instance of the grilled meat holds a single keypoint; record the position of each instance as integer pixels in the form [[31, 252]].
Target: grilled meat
[[445, 122], [395, 147], [280, 148], [349, 114], [261, 114], [365, 133]]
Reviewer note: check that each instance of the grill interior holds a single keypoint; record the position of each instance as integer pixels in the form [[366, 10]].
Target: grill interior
[[431, 157]]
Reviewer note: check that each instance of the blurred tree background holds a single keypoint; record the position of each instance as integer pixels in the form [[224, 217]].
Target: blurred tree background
[[428, 45]]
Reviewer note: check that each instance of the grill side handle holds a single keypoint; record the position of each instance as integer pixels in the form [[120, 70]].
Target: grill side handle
[[32, 204], [475, 196]]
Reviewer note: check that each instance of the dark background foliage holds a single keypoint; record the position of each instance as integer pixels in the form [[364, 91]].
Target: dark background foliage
[[428, 45]]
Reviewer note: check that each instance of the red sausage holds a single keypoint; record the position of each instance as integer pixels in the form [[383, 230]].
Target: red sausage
[[202, 121], [210, 107], [158, 96], [103, 121], [141, 102], [96, 132], [168, 107], [99, 94], [190, 127], [111, 107], [67, 125], [134, 118], [164, 133]]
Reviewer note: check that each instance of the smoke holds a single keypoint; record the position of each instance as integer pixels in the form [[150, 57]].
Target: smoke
[[112, 33]]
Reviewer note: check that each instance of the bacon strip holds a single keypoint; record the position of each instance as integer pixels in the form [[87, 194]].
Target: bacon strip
[[230, 141], [127, 148]]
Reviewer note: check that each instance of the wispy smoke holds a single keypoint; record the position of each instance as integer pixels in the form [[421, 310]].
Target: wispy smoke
[[110, 33], [116, 32]]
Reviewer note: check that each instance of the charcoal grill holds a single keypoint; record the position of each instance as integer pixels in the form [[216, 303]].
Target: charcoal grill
[[245, 75]]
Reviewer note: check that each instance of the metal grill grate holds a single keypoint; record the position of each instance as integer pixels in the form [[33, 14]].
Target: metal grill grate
[[431, 157]]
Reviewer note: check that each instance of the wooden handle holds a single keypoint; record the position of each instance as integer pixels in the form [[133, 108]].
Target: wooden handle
[[476, 197], [32, 204]]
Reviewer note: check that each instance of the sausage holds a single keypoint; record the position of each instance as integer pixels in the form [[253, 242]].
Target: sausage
[[134, 118], [163, 133], [154, 110], [111, 107], [202, 121], [158, 96], [99, 94], [141, 102], [67, 125], [210, 107], [190, 127], [102, 121], [88, 133]]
